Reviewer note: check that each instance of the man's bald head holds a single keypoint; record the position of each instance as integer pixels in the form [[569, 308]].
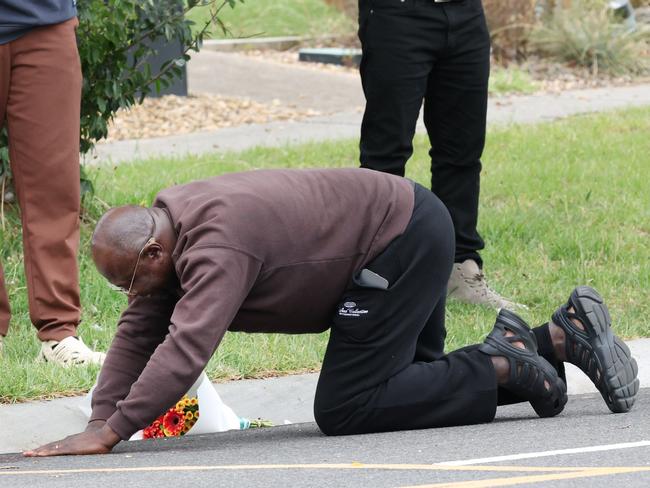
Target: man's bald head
[[118, 238]]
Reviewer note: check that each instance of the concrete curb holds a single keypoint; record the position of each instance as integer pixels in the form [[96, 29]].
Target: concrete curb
[[282, 400], [279, 43], [276, 43]]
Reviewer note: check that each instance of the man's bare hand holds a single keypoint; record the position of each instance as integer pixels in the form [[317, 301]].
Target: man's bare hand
[[92, 441]]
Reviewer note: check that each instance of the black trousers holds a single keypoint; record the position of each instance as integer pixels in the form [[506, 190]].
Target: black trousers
[[384, 368], [439, 53]]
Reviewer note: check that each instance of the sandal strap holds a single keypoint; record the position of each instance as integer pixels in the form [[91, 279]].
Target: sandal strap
[[528, 371]]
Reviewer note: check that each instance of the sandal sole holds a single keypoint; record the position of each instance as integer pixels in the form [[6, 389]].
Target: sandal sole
[[619, 383]]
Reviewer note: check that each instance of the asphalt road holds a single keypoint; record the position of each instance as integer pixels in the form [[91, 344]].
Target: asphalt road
[[596, 449]]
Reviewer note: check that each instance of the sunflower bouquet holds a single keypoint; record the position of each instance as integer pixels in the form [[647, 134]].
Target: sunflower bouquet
[[176, 421]]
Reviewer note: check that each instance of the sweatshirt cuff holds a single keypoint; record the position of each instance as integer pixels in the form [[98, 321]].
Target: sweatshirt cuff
[[102, 412], [122, 426]]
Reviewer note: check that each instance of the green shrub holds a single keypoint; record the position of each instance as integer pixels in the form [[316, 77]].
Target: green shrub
[[587, 34]]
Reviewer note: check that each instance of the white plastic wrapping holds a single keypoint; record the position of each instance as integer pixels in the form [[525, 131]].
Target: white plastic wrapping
[[215, 416]]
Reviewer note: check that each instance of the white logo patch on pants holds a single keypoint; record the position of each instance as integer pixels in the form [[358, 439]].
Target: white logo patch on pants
[[350, 309]]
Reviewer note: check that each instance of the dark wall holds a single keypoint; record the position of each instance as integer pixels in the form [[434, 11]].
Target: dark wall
[[169, 50]]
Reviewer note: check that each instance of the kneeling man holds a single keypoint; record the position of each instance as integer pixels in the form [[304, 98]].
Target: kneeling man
[[364, 253]]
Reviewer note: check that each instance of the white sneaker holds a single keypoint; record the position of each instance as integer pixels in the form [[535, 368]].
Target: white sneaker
[[467, 284], [71, 351]]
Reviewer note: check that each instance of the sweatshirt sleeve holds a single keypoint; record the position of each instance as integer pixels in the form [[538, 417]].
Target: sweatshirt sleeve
[[215, 282], [141, 328]]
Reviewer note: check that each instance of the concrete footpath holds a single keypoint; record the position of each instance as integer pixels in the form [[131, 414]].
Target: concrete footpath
[[338, 97], [520, 109], [283, 400]]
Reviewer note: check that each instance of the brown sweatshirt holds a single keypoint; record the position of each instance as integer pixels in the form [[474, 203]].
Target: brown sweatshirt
[[261, 251]]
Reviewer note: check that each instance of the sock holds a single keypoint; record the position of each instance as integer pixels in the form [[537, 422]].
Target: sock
[[546, 350]]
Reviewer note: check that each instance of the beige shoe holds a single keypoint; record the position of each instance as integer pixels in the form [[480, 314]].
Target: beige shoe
[[71, 351], [467, 284]]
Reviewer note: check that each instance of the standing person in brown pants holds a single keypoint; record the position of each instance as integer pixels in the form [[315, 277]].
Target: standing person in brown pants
[[40, 97]]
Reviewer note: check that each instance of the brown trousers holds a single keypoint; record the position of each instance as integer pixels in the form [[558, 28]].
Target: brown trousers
[[40, 98]]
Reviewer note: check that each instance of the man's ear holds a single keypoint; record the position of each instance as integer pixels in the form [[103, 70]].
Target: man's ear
[[154, 251]]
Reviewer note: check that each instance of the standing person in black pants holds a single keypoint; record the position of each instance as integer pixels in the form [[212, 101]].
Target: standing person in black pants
[[437, 51]]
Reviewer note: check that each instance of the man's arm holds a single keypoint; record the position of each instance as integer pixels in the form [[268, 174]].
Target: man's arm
[[141, 329], [215, 282], [215, 285]]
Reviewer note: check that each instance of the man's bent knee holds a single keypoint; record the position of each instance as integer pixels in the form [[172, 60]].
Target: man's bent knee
[[336, 421]]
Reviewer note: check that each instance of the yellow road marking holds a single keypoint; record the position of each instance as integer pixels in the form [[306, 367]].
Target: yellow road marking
[[559, 471], [522, 480]]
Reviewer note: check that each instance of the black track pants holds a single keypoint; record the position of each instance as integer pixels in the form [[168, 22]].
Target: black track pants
[[384, 368]]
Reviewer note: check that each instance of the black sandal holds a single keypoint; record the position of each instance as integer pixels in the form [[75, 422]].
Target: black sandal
[[596, 350], [528, 370]]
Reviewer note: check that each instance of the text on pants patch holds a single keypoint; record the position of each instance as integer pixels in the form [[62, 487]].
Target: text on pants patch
[[350, 309]]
